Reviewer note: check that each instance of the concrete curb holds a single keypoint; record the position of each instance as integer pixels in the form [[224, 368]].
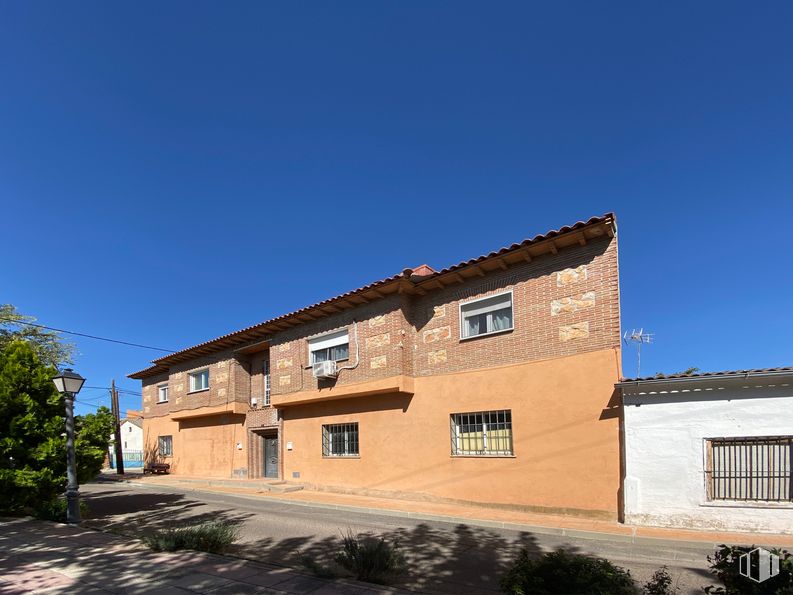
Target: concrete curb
[[632, 539]]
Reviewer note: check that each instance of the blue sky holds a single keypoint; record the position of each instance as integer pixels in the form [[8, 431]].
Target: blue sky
[[198, 167]]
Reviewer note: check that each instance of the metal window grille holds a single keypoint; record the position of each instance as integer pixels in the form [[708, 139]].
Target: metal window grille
[[165, 446], [483, 433], [266, 372], [757, 469], [340, 440]]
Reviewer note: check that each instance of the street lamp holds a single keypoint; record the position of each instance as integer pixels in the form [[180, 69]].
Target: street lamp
[[69, 383]]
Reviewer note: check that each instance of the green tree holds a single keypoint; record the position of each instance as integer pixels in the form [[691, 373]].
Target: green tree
[[32, 440], [32, 459], [48, 345], [92, 437]]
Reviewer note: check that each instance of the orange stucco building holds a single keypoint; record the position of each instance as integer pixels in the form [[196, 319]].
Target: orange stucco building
[[489, 381]]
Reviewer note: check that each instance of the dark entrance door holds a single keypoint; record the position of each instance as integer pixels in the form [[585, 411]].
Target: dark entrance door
[[271, 457]]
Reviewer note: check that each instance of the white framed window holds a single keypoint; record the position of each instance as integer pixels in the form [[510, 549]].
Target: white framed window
[[330, 347], [482, 433], [199, 380], [266, 373], [165, 446], [486, 316], [340, 440], [162, 393]]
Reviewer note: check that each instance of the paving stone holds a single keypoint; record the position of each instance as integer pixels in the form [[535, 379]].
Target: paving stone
[[200, 582]]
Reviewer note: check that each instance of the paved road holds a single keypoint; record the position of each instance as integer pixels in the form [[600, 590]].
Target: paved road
[[443, 557]]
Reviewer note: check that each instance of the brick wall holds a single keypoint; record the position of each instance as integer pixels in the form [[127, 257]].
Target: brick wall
[[229, 380], [563, 304], [381, 340]]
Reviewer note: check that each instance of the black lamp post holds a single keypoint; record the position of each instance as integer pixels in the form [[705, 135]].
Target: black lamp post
[[69, 383]]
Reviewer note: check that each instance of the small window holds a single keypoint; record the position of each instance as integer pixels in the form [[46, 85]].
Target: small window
[[165, 445], [266, 372], [340, 440], [750, 469], [331, 347], [484, 433], [162, 393], [129, 428], [199, 380], [486, 316]]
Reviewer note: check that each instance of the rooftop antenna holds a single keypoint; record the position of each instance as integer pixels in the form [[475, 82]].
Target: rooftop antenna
[[639, 337]]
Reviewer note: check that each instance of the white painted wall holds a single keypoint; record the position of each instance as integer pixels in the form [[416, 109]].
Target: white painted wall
[[664, 450], [132, 435]]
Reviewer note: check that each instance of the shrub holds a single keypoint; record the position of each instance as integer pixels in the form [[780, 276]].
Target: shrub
[[369, 558], [213, 537], [55, 510], [660, 583], [562, 572], [724, 565]]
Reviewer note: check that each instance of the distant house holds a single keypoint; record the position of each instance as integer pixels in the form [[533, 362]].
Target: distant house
[[131, 437], [710, 451]]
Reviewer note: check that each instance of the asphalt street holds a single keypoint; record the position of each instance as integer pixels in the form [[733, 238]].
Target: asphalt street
[[442, 557]]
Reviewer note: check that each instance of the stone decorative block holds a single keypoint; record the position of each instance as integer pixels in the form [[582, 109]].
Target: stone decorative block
[[283, 347], [438, 311], [219, 378], [146, 409], [570, 276], [221, 392], [437, 334], [436, 357], [284, 380], [573, 303], [222, 364], [285, 362], [179, 388], [377, 320], [579, 330], [378, 341], [378, 362]]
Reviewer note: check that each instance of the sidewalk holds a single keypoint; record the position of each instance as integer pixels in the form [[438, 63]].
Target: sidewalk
[[471, 514], [42, 557]]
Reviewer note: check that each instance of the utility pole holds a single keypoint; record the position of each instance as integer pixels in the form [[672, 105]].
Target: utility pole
[[117, 430]]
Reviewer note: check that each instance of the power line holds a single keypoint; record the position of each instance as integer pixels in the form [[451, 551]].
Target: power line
[[121, 390], [60, 330]]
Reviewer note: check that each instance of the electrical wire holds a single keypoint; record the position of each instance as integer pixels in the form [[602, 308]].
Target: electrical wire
[[60, 330]]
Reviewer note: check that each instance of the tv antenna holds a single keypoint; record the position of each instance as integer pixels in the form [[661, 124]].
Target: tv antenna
[[639, 337]]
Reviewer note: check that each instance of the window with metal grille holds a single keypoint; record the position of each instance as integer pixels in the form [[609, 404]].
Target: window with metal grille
[[266, 372], [165, 444], [756, 469], [340, 440], [484, 433]]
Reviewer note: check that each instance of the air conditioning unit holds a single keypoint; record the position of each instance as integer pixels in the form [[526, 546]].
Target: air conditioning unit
[[324, 369], [254, 402]]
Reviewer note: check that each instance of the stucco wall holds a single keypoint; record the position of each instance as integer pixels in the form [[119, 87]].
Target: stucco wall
[[565, 431], [665, 453], [205, 446]]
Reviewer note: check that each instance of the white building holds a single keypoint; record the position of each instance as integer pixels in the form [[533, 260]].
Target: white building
[[132, 435], [710, 451]]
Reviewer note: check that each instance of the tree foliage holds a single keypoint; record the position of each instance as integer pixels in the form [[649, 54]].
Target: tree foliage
[[32, 439], [48, 345]]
